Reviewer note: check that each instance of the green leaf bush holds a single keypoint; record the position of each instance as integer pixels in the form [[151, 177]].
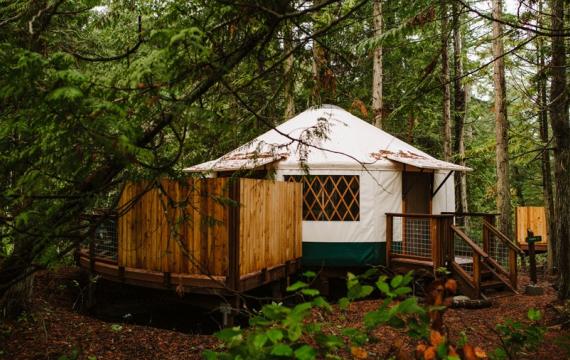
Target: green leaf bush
[[281, 332]]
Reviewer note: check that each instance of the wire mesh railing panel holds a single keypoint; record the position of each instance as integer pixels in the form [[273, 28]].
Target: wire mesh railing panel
[[463, 254], [412, 237], [106, 242], [472, 226], [499, 251]]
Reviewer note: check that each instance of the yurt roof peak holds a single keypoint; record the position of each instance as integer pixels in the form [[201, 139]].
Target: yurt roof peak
[[325, 137]]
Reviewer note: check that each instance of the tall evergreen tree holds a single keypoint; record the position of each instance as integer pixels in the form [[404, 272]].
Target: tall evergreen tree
[[459, 111], [445, 82], [377, 70], [561, 131], [501, 123]]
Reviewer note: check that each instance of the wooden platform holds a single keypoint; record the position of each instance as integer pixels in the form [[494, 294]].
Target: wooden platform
[[206, 235], [191, 283]]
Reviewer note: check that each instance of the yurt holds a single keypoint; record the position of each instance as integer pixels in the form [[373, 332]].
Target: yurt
[[352, 173]]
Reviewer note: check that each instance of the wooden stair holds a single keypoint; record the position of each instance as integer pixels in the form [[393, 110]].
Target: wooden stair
[[438, 243], [488, 279]]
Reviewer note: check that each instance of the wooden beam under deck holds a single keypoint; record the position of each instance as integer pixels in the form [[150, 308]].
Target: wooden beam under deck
[[192, 283]]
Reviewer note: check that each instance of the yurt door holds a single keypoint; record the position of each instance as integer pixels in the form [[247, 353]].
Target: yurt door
[[416, 199], [416, 192]]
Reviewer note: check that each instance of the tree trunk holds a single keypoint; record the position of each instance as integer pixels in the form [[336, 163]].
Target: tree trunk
[[445, 83], [289, 86], [318, 62], [561, 133], [377, 100], [546, 168], [17, 298], [460, 107], [501, 124]]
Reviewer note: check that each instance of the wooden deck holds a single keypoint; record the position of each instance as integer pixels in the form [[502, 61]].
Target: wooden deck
[[190, 283], [478, 255], [205, 235]]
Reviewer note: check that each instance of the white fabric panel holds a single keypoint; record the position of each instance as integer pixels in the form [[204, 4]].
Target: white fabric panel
[[388, 198], [380, 192], [444, 200]]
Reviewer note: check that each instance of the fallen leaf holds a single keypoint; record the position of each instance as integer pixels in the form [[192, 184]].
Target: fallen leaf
[[480, 353], [436, 338], [358, 352], [430, 353]]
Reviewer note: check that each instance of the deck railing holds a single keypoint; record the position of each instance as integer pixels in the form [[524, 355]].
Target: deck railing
[[469, 243], [420, 238], [476, 233], [103, 242], [467, 259]]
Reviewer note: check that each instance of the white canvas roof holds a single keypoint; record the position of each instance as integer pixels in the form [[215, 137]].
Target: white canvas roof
[[326, 137]]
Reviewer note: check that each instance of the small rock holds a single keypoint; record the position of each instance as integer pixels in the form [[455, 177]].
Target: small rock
[[533, 290]]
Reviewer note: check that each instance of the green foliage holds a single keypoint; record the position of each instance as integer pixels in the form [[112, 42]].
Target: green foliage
[[73, 355], [281, 331], [88, 100], [278, 331], [517, 337], [116, 328]]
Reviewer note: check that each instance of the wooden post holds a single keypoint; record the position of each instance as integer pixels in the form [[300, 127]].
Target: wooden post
[[121, 273], [436, 241], [205, 193], [450, 240], [513, 272], [532, 260], [477, 274], [91, 277], [233, 277], [486, 233], [389, 237], [166, 279]]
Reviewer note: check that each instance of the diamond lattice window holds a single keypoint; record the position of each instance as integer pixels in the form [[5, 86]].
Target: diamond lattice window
[[329, 197]]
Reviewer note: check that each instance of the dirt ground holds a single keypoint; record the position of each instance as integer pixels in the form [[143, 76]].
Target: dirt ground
[[52, 328]]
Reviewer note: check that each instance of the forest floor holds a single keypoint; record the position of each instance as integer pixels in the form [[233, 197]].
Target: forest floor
[[52, 329]]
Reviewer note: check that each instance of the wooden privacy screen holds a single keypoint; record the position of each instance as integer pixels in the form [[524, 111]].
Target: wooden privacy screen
[[189, 227], [190, 214], [534, 218], [270, 224]]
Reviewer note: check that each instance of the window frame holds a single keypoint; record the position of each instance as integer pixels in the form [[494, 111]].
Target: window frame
[[339, 196]]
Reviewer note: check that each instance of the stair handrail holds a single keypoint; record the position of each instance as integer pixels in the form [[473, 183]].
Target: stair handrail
[[485, 257], [476, 214], [476, 248], [504, 238], [479, 257]]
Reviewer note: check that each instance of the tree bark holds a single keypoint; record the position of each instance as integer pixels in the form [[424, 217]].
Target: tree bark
[[377, 99], [501, 124], [289, 88], [460, 107], [318, 62], [18, 297], [561, 132], [545, 156], [445, 83]]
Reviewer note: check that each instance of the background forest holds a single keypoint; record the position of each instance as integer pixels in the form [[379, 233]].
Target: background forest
[[93, 93], [97, 92]]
